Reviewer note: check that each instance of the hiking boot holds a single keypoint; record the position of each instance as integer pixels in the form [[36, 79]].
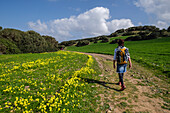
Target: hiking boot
[[123, 87], [119, 83]]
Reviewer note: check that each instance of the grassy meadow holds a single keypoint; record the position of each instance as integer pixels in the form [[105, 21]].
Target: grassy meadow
[[154, 54], [47, 82], [58, 81]]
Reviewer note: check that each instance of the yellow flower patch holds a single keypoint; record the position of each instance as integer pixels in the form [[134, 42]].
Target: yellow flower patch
[[51, 83]]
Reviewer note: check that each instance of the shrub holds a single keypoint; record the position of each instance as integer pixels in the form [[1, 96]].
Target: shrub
[[0, 28], [7, 47], [153, 35], [68, 43], [120, 31], [113, 35], [27, 42], [82, 43], [96, 41], [128, 33], [61, 47], [133, 38], [168, 29], [104, 40], [114, 41]]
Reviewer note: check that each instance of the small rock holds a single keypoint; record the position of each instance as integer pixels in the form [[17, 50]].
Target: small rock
[[132, 75], [108, 111], [92, 86], [101, 75], [26, 87], [110, 108]]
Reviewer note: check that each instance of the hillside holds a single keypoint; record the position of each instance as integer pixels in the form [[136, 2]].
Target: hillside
[[149, 53], [148, 46], [137, 33]]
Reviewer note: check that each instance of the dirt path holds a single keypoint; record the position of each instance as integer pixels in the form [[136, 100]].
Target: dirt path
[[144, 92]]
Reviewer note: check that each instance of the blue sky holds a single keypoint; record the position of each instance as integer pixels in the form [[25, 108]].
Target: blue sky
[[75, 19]]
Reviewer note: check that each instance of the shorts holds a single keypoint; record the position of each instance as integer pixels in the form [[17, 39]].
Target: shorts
[[121, 68]]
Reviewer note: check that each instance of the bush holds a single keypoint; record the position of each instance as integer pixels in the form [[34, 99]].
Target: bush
[[96, 41], [0, 28], [143, 36], [68, 43], [82, 43], [7, 47], [131, 29], [168, 29], [120, 31], [133, 38], [27, 42], [61, 47], [113, 35], [153, 35], [52, 44], [2, 49], [114, 41], [104, 40], [128, 33]]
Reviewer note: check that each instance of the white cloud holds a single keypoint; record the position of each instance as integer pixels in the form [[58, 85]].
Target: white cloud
[[118, 24], [41, 27], [161, 24], [90, 23], [159, 8], [140, 24]]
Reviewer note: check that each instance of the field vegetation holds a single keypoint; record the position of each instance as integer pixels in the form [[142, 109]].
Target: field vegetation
[[47, 82], [153, 54]]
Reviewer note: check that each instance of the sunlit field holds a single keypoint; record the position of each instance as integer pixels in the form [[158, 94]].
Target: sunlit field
[[45, 82], [153, 54]]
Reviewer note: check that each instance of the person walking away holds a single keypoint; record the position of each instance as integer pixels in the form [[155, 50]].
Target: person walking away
[[121, 56]]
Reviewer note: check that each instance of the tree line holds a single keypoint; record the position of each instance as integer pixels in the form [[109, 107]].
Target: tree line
[[14, 41]]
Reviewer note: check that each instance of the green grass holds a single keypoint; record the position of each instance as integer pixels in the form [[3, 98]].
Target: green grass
[[154, 54], [47, 82]]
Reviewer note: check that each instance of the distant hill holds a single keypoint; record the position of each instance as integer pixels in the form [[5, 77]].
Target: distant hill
[[132, 33], [14, 41]]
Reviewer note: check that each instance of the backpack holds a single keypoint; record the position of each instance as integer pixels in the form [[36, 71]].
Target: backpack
[[121, 55]]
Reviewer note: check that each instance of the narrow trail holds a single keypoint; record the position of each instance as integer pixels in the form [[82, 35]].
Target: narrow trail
[[142, 94]]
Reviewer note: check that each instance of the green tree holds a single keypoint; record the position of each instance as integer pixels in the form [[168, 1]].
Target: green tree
[[168, 29]]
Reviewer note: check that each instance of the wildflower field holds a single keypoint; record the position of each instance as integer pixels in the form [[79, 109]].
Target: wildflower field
[[46, 82]]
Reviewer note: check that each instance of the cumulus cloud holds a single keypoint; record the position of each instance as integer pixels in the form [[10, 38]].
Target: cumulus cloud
[[90, 23], [118, 24], [159, 8], [161, 24], [41, 27]]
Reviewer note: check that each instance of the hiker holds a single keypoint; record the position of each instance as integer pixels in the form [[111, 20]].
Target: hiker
[[121, 56]]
